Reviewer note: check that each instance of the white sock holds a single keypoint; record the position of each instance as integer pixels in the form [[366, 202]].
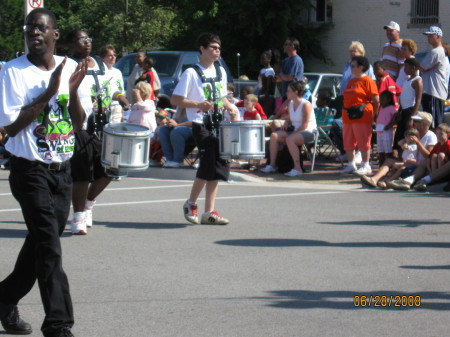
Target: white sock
[[89, 204], [352, 164], [78, 216], [365, 164], [192, 203], [427, 179], [409, 179]]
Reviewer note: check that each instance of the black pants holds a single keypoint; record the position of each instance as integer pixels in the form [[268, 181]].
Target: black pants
[[44, 197], [435, 106]]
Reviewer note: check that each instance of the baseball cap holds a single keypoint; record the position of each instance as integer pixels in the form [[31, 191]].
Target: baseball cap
[[423, 116], [433, 30], [392, 25]]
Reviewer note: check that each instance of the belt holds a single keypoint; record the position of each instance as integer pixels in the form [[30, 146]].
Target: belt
[[49, 166]]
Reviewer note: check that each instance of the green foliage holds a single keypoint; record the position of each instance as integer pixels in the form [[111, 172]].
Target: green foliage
[[247, 27]]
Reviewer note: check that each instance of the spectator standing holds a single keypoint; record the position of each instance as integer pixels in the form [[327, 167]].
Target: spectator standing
[[292, 68], [410, 98], [109, 57], [409, 49], [434, 70], [136, 73], [386, 82], [266, 80], [392, 50], [36, 92], [360, 95], [385, 125]]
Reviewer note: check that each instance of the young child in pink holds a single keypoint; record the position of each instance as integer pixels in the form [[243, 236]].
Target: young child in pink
[[143, 111], [385, 122]]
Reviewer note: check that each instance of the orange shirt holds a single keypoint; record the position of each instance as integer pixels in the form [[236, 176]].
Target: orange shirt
[[360, 91]]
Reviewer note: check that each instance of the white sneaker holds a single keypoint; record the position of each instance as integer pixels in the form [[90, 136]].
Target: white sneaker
[[88, 206], [78, 226], [268, 169], [363, 171], [341, 158], [293, 173], [349, 169], [358, 158], [172, 164]]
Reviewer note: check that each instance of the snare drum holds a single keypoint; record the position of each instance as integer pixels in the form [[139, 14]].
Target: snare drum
[[242, 140], [126, 147]]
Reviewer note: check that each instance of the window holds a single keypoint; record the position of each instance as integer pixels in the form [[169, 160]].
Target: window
[[322, 11], [424, 12]]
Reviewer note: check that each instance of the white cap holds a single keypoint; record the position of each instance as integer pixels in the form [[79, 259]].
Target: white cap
[[433, 30], [392, 25]]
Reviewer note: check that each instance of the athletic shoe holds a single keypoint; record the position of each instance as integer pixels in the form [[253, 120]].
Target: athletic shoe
[[213, 218], [190, 212], [172, 164], [363, 171], [268, 169], [358, 158], [89, 205], [349, 169], [421, 186], [11, 321], [399, 184], [293, 173], [78, 225]]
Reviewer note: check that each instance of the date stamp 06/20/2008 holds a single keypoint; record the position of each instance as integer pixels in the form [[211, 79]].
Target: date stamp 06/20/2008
[[385, 301]]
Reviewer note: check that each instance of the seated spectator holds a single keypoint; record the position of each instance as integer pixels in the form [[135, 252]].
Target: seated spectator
[[246, 90], [250, 112], [231, 90], [156, 153], [298, 129], [437, 167], [143, 111], [422, 122], [173, 138], [394, 167]]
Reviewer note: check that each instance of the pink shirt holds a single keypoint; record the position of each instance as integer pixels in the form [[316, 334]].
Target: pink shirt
[[385, 115]]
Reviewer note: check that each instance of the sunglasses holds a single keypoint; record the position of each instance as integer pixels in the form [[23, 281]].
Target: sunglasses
[[215, 48], [40, 27], [85, 39]]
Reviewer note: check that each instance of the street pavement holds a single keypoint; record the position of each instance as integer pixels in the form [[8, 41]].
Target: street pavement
[[296, 260]]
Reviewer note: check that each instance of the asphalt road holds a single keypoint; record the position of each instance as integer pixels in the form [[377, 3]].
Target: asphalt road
[[290, 263]]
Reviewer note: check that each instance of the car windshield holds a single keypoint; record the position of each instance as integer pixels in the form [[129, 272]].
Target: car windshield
[[165, 64], [312, 81]]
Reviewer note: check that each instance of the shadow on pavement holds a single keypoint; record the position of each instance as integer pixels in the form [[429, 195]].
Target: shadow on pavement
[[345, 300], [444, 267], [317, 243], [397, 223]]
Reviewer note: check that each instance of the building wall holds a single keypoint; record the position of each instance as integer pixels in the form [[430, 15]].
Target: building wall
[[363, 21]]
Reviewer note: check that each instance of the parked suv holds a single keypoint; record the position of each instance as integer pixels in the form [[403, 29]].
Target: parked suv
[[168, 64]]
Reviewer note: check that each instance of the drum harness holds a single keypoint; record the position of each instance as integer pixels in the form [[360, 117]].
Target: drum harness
[[99, 119], [211, 119]]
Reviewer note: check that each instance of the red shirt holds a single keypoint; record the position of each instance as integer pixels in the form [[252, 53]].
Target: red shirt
[[250, 115], [445, 148], [387, 83], [258, 108]]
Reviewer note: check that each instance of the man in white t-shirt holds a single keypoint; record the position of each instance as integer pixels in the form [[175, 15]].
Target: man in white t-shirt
[[40, 108], [202, 91], [422, 122], [434, 69]]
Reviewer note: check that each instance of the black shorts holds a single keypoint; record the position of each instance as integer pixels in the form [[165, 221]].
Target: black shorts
[[212, 167], [86, 162]]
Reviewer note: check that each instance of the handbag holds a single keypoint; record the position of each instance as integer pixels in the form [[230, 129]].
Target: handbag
[[355, 112]]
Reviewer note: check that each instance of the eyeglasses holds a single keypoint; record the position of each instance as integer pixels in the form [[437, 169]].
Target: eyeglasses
[[40, 27], [215, 48], [85, 39]]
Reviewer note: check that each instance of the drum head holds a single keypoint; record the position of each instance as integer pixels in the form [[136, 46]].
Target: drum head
[[126, 129]]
